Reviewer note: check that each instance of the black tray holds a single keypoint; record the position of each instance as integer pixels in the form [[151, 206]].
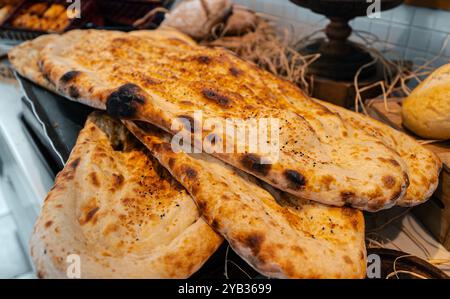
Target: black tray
[[54, 120]]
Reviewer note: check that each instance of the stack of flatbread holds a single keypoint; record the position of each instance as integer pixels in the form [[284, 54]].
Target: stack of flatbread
[[131, 206]]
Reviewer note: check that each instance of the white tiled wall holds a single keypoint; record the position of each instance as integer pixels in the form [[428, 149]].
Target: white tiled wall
[[409, 32]]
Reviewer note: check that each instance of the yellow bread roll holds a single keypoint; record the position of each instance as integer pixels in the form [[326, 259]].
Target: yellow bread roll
[[426, 111]]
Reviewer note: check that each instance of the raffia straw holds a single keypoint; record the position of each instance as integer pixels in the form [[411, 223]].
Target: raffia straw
[[273, 50], [270, 48], [232, 262], [380, 241], [396, 272], [148, 16], [373, 239], [372, 242], [402, 74], [226, 263], [405, 272], [393, 219], [416, 241]]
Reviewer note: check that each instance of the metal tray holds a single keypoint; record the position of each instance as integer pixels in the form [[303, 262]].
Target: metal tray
[[54, 120]]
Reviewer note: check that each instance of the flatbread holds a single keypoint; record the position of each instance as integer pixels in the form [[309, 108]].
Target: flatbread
[[277, 234], [122, 213], [25, 58], [423, 165], [158, 80]]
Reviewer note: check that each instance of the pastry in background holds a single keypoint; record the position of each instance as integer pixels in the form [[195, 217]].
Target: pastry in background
[[426, 111], [42, 17], [37, 9], [54, 11], [196, 18], [4, 12]]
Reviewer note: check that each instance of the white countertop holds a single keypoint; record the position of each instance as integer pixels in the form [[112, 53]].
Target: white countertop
[[24, 182]]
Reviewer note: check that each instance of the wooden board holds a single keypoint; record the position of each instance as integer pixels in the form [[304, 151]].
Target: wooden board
[[434, 214]]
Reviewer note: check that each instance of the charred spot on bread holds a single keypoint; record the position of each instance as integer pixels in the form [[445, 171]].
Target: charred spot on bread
[[118, 180], [204, 59], [253, 163], [48, 223], [394, 162], [347, 196], [125, 100], [69, 77], [74, 164], [94, 179], [216, 97], [388, 181], [190, 172], [74, 92], [235, 71], [91, 214], [296, 179], [254, 242]]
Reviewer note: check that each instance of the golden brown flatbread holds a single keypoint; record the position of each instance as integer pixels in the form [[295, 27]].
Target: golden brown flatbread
[[159, 79], [120, 211], [423, 165], [25, 59], [277, 234]]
